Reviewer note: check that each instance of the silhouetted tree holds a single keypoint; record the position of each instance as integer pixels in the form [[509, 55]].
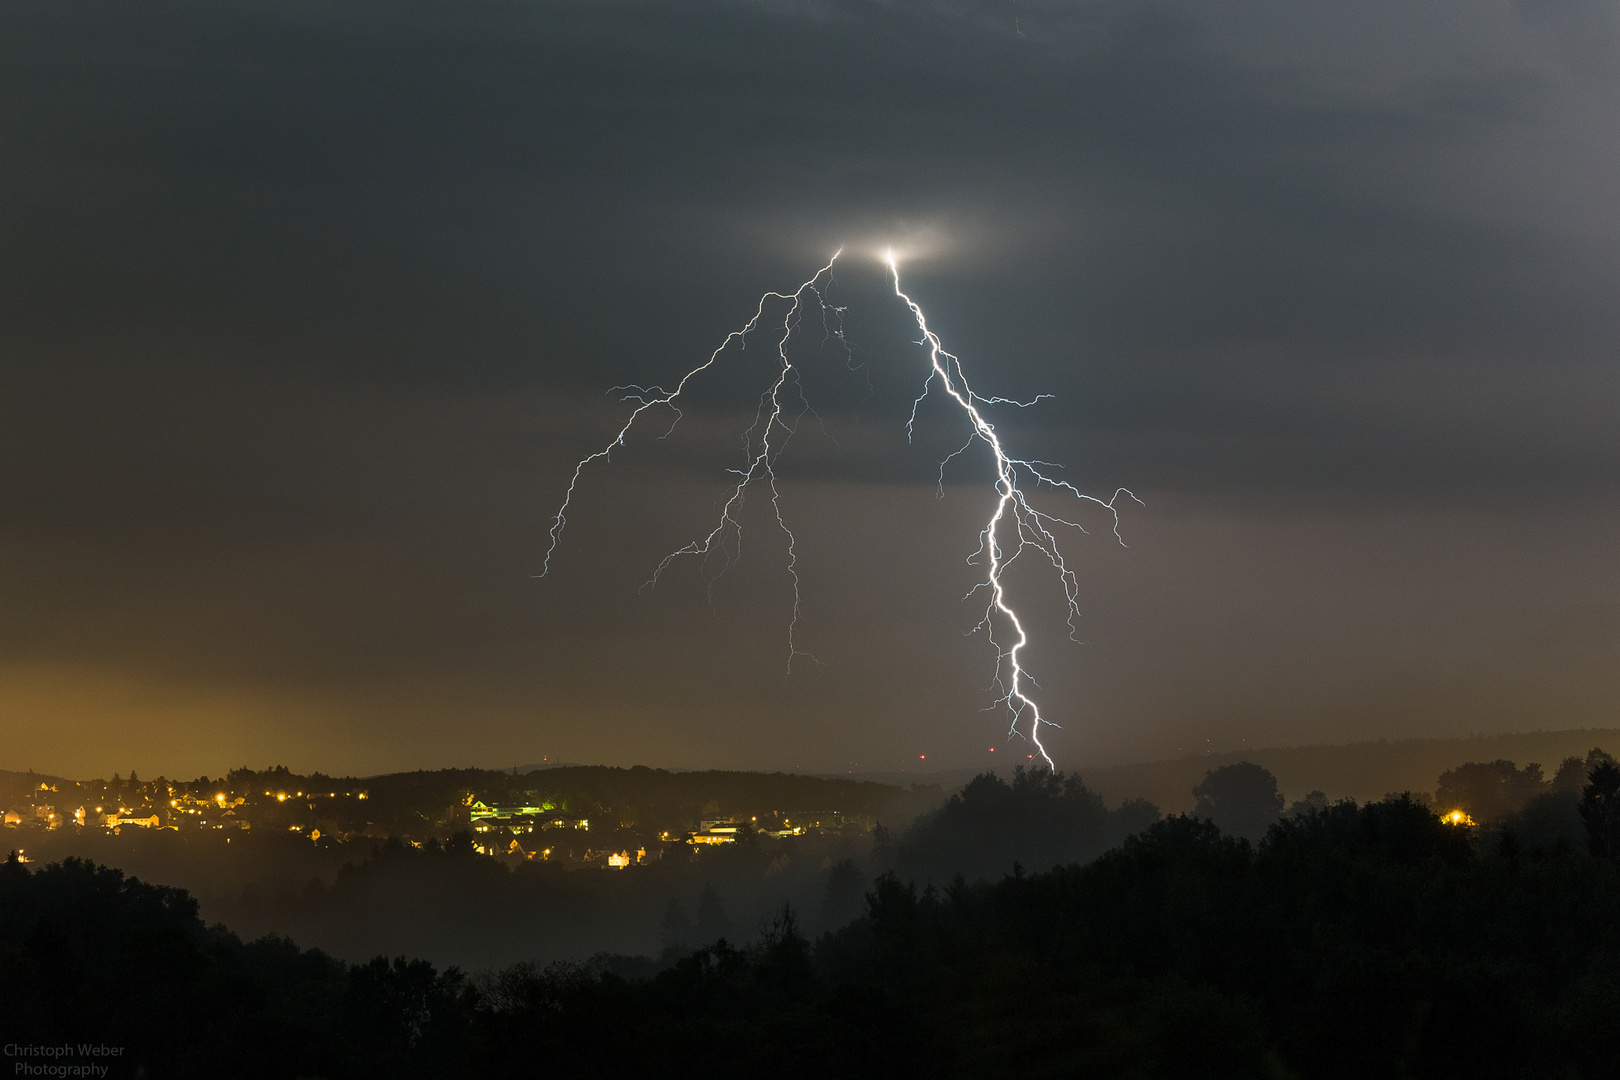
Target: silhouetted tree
[[712, 923], [1400, 829], [882, 845], [841, 901], [675, 929], [1131, 817], [1316, 800], [398, 1006], [1575, 772], [1042, 819], [1600, 811], [1489, 791], [1551, 821], [782, 957], [1508, 845], [1353, 941], [1242, 799]]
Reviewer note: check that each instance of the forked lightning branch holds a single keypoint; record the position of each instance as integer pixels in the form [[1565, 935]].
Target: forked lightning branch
[[1016, 528]]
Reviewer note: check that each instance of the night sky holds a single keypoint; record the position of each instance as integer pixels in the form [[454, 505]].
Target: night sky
[[307, 309]]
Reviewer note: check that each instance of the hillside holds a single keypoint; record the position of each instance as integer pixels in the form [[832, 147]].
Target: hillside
[[20, 786], [1363, 771]]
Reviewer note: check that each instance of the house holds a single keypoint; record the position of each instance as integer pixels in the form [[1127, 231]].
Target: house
[[144, 822], [718, 831]]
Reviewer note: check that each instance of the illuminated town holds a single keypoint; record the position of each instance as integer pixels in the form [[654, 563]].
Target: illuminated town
[[500, 821], [825, 539]]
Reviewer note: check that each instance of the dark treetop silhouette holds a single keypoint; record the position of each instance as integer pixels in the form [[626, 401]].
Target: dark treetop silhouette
[[1352, 941]]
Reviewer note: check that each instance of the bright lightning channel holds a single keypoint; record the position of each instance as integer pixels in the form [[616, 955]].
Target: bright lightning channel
[[1029, 528], [1015, 526], [763, 442]]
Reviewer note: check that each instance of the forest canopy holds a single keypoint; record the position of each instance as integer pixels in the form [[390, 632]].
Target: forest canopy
[[1352, 940]]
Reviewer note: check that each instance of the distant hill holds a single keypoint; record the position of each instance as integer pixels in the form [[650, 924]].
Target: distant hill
[[736, 792], [16, 786], [948, 780], [409, 801], [1362, 771]]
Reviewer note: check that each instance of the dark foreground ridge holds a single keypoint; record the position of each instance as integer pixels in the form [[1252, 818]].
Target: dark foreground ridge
[[1352, 941]]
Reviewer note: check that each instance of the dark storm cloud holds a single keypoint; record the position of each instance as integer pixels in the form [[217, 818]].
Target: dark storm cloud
[[334, 157], [306, 308], [411, 191]]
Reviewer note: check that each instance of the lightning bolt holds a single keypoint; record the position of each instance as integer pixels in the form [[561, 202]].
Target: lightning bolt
[[763, 442], [1015, 526]]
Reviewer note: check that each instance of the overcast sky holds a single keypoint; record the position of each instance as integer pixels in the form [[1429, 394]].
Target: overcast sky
[[307, 309]]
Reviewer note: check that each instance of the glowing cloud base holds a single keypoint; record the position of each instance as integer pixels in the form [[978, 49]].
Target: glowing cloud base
[[1014, 529]]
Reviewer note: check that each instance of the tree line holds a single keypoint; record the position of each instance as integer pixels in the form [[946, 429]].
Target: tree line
[[1349, 941]]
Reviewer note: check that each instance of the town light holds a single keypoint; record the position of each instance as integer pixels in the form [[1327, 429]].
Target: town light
[[1457, 817]]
